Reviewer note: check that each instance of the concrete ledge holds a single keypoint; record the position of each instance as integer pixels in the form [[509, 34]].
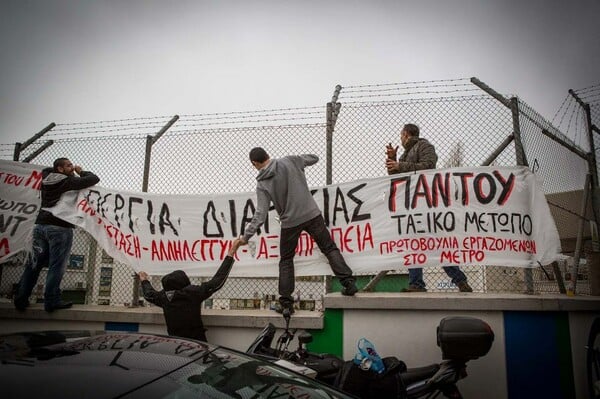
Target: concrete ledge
[[152, 315], [463, 301]]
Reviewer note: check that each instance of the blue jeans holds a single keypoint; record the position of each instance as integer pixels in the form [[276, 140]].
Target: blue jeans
[[415, 276], [51, 248], [287, 249]]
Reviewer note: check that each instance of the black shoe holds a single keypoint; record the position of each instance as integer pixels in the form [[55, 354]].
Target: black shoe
[[279, 308], [349, 290], [414, 288], [463, 286], [60, 305], [21, 306]]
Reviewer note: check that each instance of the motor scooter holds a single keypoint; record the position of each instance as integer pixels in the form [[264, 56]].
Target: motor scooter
[[460, 339]]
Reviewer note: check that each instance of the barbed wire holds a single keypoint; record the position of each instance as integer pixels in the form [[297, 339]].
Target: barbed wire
[[248, 121], [420, 100], [591, 99], [116, 120], [59, 135], [362, 90], [135, 125], [412, 93], [59, 127], [588, 88], [560, 108], [405, 83], [178, 133], [251, 117], [251, 112]]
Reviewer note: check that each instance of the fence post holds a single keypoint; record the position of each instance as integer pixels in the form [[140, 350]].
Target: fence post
[[150, 140], [21, 146], [521, 161], [331, 114], [328, 143], [513, 105], [17, 154], [89, 280], [37, 152], [592, 161], [498, 150], [519, 151], [577, 255]]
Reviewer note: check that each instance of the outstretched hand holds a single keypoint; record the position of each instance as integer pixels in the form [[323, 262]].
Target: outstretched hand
[[238, 242]]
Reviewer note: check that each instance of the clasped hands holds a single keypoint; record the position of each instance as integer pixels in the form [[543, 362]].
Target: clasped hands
[[238, 242], [391, 155]]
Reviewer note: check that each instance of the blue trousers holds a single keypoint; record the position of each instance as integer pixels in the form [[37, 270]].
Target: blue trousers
[[51, 249], [415, 276]]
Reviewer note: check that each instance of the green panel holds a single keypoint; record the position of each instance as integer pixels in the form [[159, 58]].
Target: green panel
[[390, 283], [563, 344], [331, 338], [75, 296]]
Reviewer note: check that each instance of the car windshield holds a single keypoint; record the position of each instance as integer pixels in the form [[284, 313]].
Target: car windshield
[[228, 374]]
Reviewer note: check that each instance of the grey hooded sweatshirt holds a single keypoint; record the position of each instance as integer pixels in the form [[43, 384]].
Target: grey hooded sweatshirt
[[283, 183]]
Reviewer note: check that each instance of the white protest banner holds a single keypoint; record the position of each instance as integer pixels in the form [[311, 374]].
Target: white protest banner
[[19, 205], [459, 216]]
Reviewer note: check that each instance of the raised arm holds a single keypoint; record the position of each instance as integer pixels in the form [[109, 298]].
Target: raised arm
[[309, 159], [84, 180], [205, 290], [262, 209]]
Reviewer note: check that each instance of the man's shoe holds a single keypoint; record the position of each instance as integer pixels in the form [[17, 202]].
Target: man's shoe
[[463, 286], [349, 289], [60, 305], [414, 288], [279, 308], [21, 306]]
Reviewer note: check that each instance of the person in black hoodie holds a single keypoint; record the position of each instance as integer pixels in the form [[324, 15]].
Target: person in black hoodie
[[52, 237], [181, 301]]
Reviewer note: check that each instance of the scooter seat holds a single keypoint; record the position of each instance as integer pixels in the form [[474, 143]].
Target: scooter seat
[[416, 374]]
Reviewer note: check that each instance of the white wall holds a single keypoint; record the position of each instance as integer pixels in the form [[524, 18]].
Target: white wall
[[411, 337]]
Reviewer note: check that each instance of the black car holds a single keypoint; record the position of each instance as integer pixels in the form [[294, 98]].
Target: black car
[[86, 364]]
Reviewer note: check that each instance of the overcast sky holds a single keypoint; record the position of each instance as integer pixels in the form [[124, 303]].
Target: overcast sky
[[78, 61]]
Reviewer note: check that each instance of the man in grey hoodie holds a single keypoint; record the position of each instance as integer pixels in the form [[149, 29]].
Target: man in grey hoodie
[[282, 182]]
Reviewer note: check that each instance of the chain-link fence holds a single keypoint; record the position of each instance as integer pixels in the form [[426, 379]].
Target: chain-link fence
[[469, 124]]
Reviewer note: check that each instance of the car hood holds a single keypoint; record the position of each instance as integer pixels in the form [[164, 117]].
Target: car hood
[[89, 364]]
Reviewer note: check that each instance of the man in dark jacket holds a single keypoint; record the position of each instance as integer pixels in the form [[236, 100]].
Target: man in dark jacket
[[52, 237], [419, 154], [282, 182], [181, 301]]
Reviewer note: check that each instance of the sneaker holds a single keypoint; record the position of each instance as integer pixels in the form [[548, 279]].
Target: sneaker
[[463, 286], [279, 308], [414, 288], [350, 289]]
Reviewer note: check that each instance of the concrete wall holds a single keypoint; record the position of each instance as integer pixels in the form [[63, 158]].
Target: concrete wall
[[539, 348], [538, 351]]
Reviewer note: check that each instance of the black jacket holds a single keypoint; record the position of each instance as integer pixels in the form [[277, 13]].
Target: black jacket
[[181, 300], [54, 184]]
